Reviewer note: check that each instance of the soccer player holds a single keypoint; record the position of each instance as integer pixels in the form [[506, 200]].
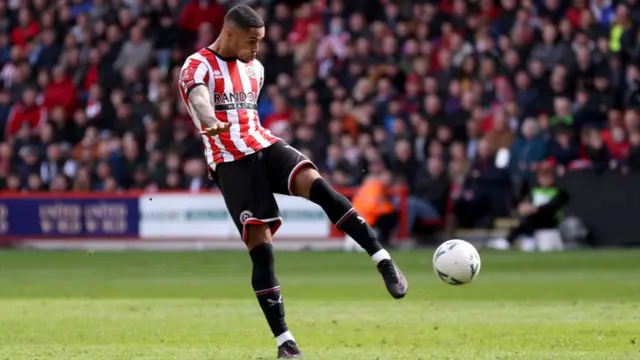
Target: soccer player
[[220, 85]]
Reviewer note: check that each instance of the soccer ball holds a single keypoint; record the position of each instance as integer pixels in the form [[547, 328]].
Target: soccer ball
[[456, 262]]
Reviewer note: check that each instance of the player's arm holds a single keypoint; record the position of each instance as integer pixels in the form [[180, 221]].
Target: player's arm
[[193, 84], [200, 102]]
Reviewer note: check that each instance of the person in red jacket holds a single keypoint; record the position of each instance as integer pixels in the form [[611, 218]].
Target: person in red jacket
[[26, 112], [26, 30], [198, 12], [306, 17], [60, 92]]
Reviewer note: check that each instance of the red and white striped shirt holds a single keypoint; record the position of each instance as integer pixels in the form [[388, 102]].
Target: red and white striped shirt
[[234, 87]]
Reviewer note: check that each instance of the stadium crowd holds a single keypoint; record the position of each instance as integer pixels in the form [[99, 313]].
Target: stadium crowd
[[457, 99]]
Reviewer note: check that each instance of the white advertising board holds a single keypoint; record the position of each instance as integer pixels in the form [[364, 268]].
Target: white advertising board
[[204, 215]]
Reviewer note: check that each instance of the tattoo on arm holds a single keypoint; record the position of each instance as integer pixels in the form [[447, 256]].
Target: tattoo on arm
[[201, 105]]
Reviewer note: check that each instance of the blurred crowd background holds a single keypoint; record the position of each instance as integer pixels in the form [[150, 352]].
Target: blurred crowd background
[[462, 101]]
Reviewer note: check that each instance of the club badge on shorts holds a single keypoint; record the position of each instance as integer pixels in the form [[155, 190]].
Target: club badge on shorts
[[244, 216]]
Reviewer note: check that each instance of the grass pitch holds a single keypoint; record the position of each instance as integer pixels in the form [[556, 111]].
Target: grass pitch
[[72, 305]]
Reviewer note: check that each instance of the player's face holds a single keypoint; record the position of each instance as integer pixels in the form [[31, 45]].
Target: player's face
[[247, 43]]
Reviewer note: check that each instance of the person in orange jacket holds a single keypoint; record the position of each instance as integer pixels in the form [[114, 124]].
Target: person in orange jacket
[[374, 205]]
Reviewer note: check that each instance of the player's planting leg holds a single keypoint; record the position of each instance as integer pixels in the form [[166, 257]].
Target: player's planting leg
[[267, 289], [308, 183]]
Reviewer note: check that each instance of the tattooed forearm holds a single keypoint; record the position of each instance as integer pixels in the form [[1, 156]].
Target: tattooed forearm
[[201, 105]]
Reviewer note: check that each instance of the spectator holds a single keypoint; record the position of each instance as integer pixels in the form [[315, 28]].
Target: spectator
[[428, 200], [55, 164], [562, 149], [501, 135], [27, 29], [404, 163], [26, 113], [562, 117], [49, 51], [136, 52], [60, 92], [167, 34], [527, 151], [34, 183], [6, 160], [540, 210], [60, 183], [621, 29], [198, 12], [279, 118], [596, 151], [13, 183], [195, 175], [550, 52], [485, 193], [141, 180], [30, 162], [632, 87], [603, 11], [373, 203], [603, 96], [617, 143]]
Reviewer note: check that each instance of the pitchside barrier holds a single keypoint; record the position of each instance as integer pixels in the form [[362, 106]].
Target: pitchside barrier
[[608, 203], [154, 221]]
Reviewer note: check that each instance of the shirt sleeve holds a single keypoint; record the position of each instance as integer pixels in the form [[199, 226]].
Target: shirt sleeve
[[194, 73]]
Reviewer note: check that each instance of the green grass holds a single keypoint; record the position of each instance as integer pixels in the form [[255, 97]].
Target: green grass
[[71, 305]]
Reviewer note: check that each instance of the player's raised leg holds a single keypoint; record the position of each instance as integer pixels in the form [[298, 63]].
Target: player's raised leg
[[305, 181], [266, 286]]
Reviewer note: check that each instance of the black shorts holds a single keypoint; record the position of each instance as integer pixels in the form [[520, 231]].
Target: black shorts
[[248, 185]]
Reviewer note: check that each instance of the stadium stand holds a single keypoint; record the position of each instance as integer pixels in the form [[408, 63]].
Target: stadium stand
[[432, 91]]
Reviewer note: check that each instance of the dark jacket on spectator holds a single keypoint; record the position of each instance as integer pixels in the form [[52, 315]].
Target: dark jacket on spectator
[[407, 170], [5, 111], [527, 101], [490, 187], [563, 155], [48, 56], [634, 158], [599, 157], [485, 176], [434, 190]]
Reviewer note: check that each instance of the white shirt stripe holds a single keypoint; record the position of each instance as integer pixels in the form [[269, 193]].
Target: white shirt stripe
[[232, 115]]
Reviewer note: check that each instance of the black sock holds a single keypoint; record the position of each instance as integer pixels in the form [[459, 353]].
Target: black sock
[[343, 215], [267, 288]]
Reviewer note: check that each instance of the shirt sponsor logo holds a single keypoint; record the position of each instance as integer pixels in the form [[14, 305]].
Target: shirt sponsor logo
[[239, 100], [235, 97]]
